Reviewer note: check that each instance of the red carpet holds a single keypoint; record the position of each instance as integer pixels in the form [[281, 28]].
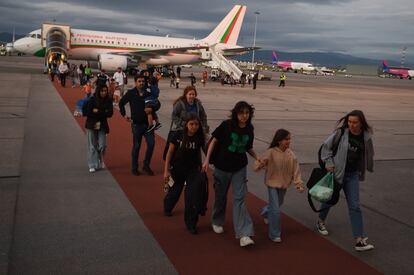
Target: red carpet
[[301, 252]]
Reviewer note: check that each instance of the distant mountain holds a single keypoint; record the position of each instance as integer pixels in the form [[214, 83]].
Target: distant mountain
[[8, 37], [328, 59]]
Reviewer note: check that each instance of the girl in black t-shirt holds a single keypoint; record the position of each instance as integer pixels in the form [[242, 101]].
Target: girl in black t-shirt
[[183, 164], [230, 142]]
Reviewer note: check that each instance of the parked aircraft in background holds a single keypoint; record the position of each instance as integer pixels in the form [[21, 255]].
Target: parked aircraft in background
[[399, 72], [113, 50], [291, 66]]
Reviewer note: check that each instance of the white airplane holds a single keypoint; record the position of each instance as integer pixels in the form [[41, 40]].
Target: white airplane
[[113, 50]]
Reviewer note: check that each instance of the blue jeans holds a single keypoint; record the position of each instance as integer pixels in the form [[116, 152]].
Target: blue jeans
[[96, 147], [139, 131], [351, 190], [243, 225], [272, 210]]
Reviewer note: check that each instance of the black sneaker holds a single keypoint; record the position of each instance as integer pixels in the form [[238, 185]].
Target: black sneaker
[[148, 170], [362, 245], [157, 126], [136, 173], [320, 226], [193, 230], [150, 128]]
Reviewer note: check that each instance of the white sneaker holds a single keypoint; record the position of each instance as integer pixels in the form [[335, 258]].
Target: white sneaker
[[245, 241], [277, 240], [217, 228], [92, 170]]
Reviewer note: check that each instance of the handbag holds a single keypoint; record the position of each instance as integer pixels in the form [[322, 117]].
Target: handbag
[[322, 191]]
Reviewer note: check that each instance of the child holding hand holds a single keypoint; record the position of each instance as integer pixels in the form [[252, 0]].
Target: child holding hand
[[282, 169]]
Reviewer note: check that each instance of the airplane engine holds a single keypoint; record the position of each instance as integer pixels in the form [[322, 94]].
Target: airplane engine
[[110, 62]]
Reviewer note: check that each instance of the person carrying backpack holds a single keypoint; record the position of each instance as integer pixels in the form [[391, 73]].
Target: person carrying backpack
[[101, 79], [354, 155]]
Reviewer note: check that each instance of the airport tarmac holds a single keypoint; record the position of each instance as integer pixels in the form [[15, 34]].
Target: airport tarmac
[[308, 106]]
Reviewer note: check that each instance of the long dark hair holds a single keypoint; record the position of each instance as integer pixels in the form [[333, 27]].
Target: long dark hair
[[199, 135], [99, 99], [239, 107], [361, 117], [183, 97], [280, 135]]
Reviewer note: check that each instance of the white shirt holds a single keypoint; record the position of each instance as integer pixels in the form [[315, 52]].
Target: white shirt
[[119, 77], [63, 68]]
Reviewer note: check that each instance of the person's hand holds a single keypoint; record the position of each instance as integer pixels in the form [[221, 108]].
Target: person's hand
[[167, 176], [330, 169], [205, 166], [95, 110], [300, 189]]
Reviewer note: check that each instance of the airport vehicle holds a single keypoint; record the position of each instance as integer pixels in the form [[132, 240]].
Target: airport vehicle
[[290, 65], [112, 50], [400, 72]]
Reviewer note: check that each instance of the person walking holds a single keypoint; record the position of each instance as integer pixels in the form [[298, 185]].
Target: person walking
[[73, 73], [354, 155], [282, 169], [230, 141], [179, 72], [63, 71], [184, 105], [139, 124], [183, 165], [120, 78], [282, 79], [98, 110], [255, 78]]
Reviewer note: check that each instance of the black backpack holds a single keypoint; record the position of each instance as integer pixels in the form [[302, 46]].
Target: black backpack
[[101, 80], [319, 172]]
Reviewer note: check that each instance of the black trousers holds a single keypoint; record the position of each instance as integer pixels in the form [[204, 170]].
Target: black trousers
[[192, 194], [63, 79]]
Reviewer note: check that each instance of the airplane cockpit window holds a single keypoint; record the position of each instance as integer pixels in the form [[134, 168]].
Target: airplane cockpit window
[[38, 36]]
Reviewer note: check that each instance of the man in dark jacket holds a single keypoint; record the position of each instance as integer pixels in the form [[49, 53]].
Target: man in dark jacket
[[139, 123]]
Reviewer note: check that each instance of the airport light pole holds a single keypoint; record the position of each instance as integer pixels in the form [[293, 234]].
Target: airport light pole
[[256, 13]]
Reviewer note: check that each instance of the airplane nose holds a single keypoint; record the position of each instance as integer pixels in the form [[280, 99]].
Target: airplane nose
[[19, 45]]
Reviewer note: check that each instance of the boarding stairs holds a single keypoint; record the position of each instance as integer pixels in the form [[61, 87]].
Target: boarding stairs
[[56, 40], [224, 64]]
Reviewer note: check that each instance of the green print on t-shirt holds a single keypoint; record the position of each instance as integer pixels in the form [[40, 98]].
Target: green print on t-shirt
[[238, 143]]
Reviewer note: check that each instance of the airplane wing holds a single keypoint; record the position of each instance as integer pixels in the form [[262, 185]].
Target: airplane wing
[[240, 50], [157, 52]]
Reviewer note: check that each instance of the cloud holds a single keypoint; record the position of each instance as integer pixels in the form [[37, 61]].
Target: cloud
[[366, 28]]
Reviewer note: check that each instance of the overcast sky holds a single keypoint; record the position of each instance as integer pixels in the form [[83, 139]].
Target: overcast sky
[[365, 28]]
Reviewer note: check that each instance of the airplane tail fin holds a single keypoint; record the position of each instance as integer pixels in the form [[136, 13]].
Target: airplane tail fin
[[274, 57], [228, 30], [385, 66]]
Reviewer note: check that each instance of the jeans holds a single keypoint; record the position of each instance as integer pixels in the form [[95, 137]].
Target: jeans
[[272, 210], [139, 131], [351, 190], [243, 225], [96, 147]]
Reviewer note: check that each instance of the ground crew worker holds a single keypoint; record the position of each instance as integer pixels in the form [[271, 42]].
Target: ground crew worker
[[282, 80]]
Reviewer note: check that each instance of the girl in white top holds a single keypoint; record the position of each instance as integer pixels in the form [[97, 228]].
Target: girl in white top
[[282, 169]]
